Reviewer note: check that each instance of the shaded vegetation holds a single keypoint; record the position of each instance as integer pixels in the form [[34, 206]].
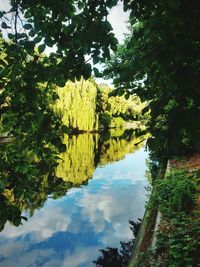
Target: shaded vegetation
[[159, 61], [27, 29], [177, 242]]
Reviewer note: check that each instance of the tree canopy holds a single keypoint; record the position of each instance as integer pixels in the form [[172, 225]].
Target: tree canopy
[[75, 30], [159, 61]]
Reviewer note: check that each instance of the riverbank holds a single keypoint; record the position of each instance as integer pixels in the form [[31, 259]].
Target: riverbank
[[170, 230], [127, 126]]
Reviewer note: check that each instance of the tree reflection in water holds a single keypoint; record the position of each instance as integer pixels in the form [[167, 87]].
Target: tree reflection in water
[[114, 257], [28, 179]]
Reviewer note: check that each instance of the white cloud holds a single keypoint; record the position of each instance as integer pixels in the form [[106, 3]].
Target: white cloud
[[41, 226]]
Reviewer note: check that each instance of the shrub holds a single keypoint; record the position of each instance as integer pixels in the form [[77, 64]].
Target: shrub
[[105, 119], [117, 123]]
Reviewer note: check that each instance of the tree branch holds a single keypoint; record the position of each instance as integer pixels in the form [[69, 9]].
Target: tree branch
[[16, 16]]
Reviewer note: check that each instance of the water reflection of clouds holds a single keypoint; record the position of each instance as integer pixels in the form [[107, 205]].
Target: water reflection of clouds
[[131, 169], [41, 226], [70, 231], [113, 206], [81, 257]]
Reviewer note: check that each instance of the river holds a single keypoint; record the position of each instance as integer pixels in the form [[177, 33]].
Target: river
[[99, 186]]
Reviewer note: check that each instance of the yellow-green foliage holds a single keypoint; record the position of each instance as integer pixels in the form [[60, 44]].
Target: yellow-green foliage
[[82, 104], [77, 105], [117, 123], [118, 106], [128, 108], [77, 163], [116, 148]]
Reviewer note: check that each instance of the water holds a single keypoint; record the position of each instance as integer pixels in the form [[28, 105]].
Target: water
[[107, 189]]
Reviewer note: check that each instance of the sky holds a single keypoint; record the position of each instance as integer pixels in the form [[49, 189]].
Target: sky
[[4, 5], [118, 19]]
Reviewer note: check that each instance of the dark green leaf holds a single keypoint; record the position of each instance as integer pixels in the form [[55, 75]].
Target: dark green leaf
[[61, 82], [64, 129], [97, 73], [11, 36], [62, 148], [5, 26], [32, 33], [2, 13], [127, 96], [27, 26], [41, 48]]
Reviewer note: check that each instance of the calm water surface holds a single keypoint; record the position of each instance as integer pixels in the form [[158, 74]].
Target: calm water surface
[[108, 189]]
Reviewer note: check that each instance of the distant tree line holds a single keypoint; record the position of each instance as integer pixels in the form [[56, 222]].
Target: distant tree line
[[85, 106]]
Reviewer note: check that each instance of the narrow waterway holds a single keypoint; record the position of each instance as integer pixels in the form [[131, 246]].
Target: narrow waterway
[[106, 188]]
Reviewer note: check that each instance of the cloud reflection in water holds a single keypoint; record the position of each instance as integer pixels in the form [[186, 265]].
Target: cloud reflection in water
[[70, 231]]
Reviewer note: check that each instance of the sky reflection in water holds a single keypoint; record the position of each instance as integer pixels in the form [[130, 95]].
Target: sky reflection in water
[[69, 231]]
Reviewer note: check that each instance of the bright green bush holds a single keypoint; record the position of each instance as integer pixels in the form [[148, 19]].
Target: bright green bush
[[117, 123]]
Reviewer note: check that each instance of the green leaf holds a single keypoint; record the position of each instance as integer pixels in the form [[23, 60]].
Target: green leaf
[[29, 45], [61, 82], [62, 148], [97, 73], [120, 92], [32, 33], [64, 129], [17, 221], [41, 48], [126, 96], [80, 5], [49, 42], [24, 218], [108, 26], [38, 39], [2, 186], [96, 59], [5, 26], [113, 93], [145, 110], [2, 13], [27, 27], [11, 36]]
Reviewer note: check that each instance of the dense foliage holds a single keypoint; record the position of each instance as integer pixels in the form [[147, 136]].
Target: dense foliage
[[114, 110], [76, 105], [159, 61], [177, 242], [27, 29], [86, 106]]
